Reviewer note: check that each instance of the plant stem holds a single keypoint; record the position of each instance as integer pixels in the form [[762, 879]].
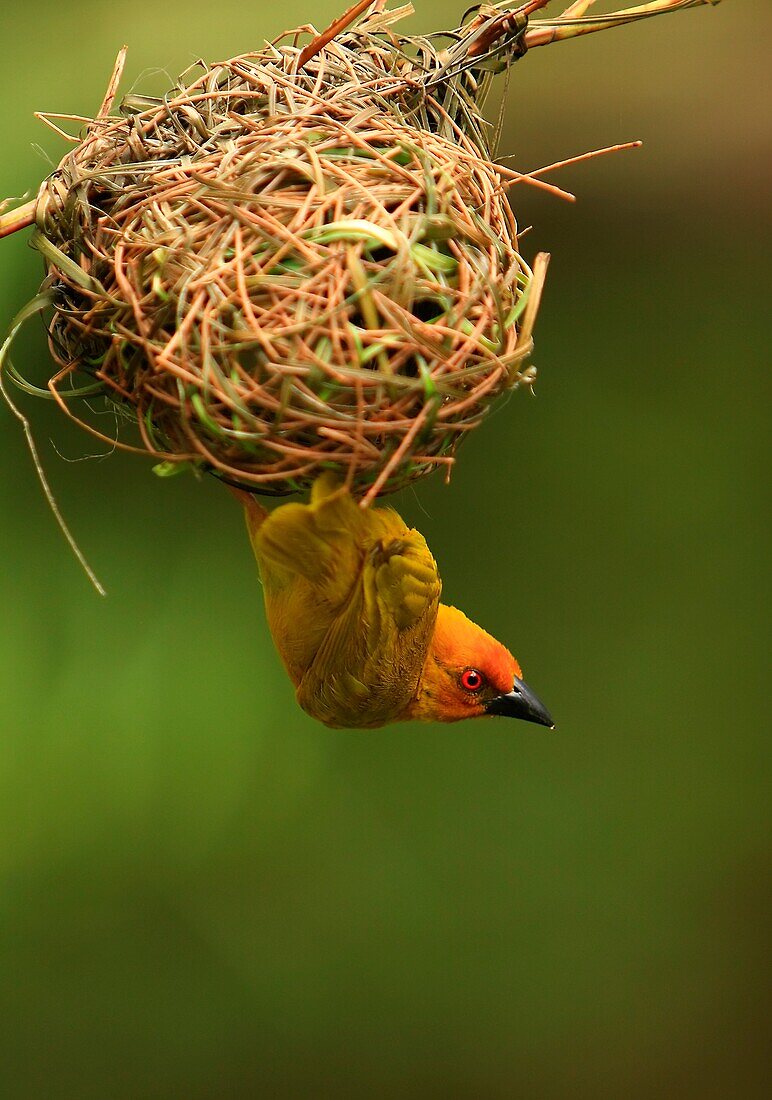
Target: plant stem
[[543, 31], [20, 218]]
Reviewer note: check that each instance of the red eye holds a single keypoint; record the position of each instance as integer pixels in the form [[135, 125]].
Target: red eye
[[471, 679]]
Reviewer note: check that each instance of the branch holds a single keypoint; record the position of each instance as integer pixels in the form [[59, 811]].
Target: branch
[[571, 23], [20, 218]]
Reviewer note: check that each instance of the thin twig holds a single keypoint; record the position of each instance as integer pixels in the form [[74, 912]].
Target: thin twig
[[533, 177], [20, 218], [31, 308], [544, 31], [112, 85], [317, 44], [535, 292]]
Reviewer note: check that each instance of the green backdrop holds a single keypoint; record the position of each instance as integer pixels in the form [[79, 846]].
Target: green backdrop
[[203, 894]]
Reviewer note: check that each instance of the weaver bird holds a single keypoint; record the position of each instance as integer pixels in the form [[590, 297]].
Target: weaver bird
[[352, 597]]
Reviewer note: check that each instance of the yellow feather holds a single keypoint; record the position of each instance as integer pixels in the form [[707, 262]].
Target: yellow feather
[[351, 597]]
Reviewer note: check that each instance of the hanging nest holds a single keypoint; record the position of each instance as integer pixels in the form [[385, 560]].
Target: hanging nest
[[299, 259]]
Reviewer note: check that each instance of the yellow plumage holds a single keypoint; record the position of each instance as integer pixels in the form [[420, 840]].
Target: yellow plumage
[[351, 597]]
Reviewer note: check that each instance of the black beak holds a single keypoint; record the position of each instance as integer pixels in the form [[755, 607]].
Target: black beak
[[521, 702]]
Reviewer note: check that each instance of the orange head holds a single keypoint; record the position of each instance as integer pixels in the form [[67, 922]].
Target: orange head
[[469, 674]]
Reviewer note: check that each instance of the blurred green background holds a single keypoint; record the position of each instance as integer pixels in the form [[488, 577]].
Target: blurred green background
[[203, 894]]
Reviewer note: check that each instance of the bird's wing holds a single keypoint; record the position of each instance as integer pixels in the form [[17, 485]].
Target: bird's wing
[[309, 556], [368, 665], [351, 596]]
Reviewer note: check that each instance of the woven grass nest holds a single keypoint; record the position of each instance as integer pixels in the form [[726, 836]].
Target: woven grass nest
[[298, 259]]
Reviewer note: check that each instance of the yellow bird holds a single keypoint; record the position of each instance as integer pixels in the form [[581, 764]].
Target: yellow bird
[[352, 597]]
